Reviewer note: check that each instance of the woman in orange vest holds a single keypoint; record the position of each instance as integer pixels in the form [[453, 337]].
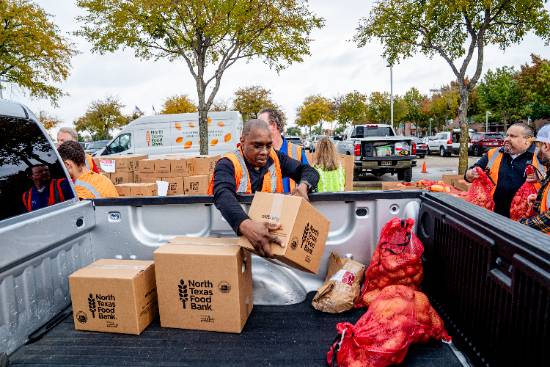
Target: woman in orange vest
[[255, 166], [541, 201], [87, 184], [506, 166]]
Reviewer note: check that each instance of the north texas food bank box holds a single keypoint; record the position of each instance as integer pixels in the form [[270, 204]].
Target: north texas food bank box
[[204, 284], [303, 233], [117, 296]]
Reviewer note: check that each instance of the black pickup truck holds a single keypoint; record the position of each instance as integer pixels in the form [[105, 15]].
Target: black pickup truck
[[488, 277]]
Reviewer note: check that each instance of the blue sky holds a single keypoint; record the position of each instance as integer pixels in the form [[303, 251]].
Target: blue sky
[[336, 66]]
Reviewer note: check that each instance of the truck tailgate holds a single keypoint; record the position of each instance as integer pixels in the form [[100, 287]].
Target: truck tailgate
[[295, 335]]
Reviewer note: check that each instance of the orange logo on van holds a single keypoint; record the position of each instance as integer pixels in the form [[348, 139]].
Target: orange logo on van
[[179, 139], [221, 124], [214, 141], [178, 126], [187, 145], [148, 138], [227, 137]]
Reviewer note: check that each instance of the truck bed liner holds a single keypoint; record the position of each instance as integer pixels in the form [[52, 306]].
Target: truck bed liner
[[295, 335]]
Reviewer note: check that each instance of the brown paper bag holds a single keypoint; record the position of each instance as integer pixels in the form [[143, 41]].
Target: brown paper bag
[[342, 285]]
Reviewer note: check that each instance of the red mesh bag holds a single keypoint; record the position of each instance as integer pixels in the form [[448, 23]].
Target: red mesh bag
[[397, 318], [480, 193], [520, 207], [397, 259]]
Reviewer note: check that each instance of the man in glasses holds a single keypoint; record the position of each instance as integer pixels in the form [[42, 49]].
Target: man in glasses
[[506, 166], [541, 201], [256, 166]]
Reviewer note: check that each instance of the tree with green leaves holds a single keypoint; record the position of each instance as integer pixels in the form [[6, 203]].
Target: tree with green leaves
[[500, 93], [33, 53], [101, 118], [178, 104], [455, 30], [209, 36], [413, 101], [379, 111], [351, 108], [250, 100], [219, 106], [314, 110], [534, 82], [293, 131]]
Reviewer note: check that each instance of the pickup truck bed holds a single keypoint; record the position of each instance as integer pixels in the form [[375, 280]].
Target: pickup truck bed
[[294, 335]]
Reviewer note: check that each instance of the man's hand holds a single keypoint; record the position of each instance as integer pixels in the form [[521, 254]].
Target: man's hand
[[301, 190], [259, 235], [531, 199], [471, 175]]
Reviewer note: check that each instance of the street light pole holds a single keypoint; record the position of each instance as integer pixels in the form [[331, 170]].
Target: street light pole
[[391, 95], [487, 113]]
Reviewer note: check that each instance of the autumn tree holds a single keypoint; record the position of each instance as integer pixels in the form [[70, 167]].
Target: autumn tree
[[101, 118], [455, 30], [314, 110], [209, 36], [47, 120], [250, 100], [413, 101], [33, 53], [379, 111], [534, 81], [351, 108], [178, 104]]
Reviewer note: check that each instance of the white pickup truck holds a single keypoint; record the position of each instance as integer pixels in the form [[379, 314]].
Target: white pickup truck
[[378, 150], [488, 277]]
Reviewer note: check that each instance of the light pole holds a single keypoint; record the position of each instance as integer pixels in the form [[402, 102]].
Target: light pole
[[487, 113], [391, 94], [430, 133]]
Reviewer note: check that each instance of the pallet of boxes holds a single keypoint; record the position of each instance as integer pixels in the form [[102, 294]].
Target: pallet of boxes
[[195, 283]]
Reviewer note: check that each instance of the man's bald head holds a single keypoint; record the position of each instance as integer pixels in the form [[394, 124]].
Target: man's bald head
[[253, 125]]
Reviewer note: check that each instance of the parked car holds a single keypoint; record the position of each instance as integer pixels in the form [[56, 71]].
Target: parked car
[[486, 275], [95, 146], [446, 143], [378, 150], [177, 133], [482, 142], [313, 140], [421, 147]]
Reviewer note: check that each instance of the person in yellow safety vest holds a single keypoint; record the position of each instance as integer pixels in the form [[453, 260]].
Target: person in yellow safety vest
[[69, 134], [87, 184], [541, 201], [276, 122], [255, 166], [506, 166]]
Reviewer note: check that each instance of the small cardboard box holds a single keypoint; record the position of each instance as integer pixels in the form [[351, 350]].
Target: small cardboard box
[[451, 179], [146, 166], [146, 177], [398, 185], [175, 185], [462, 185], [137, 189], [117, 296], [204, 284], [204, 164], [181, 167], [304, 229], [162, 167], [126, 163], [195, 185], [348, 163], [121, 177]]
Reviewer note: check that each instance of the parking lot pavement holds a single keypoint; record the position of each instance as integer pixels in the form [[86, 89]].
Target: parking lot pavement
[[436, 166]]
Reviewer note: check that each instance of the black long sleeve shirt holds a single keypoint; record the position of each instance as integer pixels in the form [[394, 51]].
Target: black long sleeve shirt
[[511, 175], [225, 196]]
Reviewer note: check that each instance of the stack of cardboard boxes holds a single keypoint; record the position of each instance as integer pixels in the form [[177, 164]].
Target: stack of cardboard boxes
[[202, 283], [120, 169]]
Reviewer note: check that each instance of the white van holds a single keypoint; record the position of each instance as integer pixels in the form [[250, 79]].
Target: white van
[[177, 133]]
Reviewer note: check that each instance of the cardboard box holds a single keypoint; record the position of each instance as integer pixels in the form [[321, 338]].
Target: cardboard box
[[146, 166], [146, 177], [204, 284], [348, 163], [137, 189], [126, 163], [196, 185], [451, 179], [121, 177], [304, 229], [117, 296], [204, 164], [398, 185], [162, 167], [175, 185], [182, 167], [462, 185]]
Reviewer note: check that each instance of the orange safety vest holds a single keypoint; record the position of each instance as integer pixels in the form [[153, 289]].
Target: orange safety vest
[[545, 201], [273, 179], [93, 185], [495, 159], [90, 164], [56, 194], [293, 151]]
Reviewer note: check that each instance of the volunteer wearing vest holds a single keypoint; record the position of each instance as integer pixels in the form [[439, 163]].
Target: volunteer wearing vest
[[45, 190], [255, 166], [541, 201], [277, 125], [506, 166], [87, 184], [69, 134]]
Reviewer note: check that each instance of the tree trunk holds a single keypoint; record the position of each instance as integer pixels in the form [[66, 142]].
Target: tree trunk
[[464, 137], [203, 131]]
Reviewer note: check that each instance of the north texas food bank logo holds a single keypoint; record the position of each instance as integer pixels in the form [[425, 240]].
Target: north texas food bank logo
[[183, 293], [148, 138]]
